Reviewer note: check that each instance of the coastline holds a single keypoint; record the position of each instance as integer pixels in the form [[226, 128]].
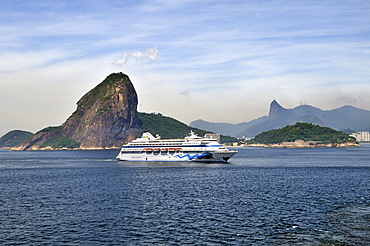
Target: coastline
[[303, 144]]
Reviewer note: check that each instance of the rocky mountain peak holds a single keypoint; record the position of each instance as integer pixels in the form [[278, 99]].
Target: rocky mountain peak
[[275, 109], [105, 117]]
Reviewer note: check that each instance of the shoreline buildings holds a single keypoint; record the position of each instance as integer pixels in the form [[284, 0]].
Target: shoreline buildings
[[361, 136]]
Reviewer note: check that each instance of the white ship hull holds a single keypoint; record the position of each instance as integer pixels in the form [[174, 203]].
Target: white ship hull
[[177, 156], [190, 149]]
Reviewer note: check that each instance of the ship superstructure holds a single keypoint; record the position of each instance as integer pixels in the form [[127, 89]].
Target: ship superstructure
[[191, 148]]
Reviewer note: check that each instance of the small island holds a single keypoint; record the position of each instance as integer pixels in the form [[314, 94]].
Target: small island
[[303, 135]]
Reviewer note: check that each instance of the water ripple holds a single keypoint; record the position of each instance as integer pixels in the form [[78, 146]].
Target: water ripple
[[83, 199]]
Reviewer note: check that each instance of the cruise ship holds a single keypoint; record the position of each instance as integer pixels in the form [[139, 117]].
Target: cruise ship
[[190, 149]]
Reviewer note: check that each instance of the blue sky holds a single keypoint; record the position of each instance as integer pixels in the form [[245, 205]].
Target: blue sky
[[221, 61]]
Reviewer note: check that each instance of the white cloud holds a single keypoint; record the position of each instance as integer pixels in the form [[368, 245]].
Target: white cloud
[[145, 57]]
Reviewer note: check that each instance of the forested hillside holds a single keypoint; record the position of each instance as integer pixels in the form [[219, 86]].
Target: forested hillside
[[302, 131], [13, 138], [168, 127]]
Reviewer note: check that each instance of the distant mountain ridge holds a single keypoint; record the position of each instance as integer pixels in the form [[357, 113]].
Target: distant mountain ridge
[[346, 117]]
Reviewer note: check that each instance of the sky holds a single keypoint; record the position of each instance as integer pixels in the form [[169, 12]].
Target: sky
[[220, 61]]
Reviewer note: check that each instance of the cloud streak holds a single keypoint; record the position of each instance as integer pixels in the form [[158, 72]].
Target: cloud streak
[[145, 57]]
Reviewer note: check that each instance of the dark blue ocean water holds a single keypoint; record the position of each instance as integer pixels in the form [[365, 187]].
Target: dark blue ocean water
[[263, 197]]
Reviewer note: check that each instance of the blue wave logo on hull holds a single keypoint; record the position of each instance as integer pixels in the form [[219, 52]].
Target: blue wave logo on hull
[[202, 156]]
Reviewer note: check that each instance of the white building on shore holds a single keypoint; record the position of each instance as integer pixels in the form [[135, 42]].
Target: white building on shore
[[361, 136]]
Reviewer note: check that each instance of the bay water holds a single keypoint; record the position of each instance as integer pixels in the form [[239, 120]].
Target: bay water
[[262, 197]]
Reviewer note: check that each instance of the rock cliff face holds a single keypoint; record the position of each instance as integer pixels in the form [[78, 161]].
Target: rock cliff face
[[105, 117]]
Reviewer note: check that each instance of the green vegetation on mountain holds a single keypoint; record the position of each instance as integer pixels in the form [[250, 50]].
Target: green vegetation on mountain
[[103, 89], [13, 138], [168, 127], [302, 131], [58, 140]]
